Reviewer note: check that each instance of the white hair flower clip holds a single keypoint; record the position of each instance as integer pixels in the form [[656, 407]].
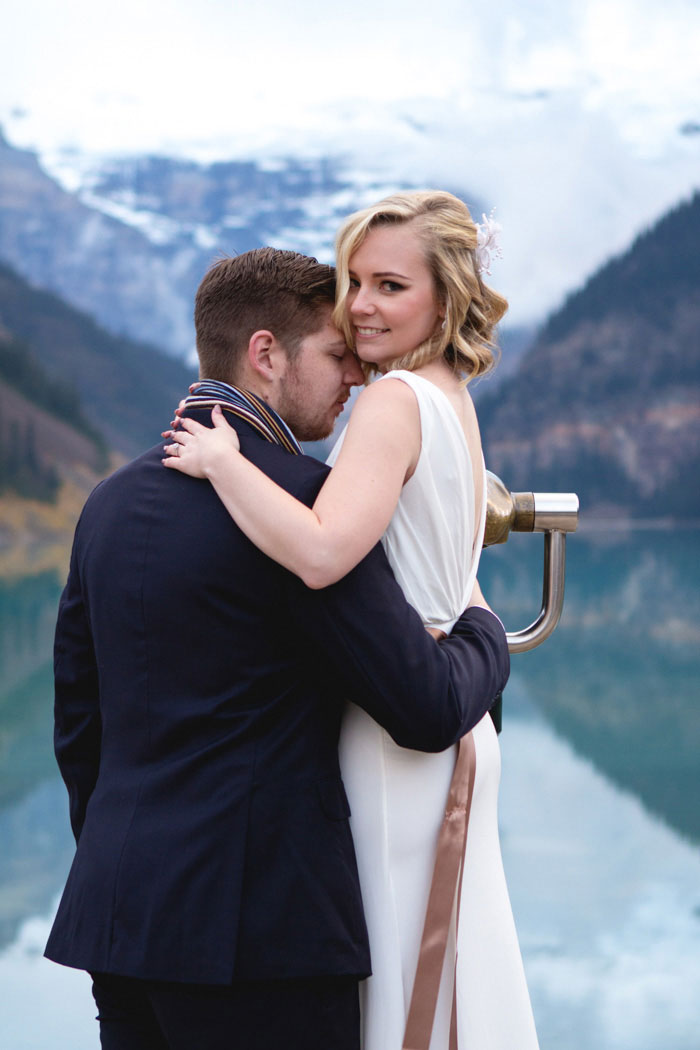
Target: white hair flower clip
[[487, 246]]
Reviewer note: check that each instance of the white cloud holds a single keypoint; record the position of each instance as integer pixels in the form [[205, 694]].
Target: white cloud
[[565, 116], [136, 76]]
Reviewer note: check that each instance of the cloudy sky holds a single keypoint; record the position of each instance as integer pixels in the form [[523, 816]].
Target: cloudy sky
[[106, 76], [582, 115]]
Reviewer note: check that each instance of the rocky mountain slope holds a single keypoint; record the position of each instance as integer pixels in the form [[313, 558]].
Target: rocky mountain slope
[[50, 459], [75, 401], [607, 401], [126, 390], [98, 264]]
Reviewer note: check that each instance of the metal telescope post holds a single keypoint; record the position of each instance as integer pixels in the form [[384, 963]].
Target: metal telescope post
[[552, 513]]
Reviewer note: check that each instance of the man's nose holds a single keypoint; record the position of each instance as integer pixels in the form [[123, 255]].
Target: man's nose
[[353, 371]]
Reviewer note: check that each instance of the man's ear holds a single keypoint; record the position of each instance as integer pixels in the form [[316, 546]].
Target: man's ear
[[266, 356]]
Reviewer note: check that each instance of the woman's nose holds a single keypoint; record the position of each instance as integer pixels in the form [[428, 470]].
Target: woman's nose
[[361, 302]]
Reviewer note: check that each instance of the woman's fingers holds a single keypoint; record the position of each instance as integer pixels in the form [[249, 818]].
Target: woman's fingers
[[174, 453], [179, 464], [194, 446], [179, 439], [191, 426], [221, 423]]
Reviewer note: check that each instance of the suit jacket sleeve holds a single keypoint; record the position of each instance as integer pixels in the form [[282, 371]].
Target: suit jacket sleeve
[[77, 722], [425, 694]]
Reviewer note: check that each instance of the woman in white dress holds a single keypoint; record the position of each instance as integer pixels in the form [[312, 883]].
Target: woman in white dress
[[409, 470]]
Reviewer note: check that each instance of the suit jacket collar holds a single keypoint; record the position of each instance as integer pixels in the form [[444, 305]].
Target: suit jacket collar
[[245, 405]]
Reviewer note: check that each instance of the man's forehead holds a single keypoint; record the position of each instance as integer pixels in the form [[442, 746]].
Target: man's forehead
[[329, 337]]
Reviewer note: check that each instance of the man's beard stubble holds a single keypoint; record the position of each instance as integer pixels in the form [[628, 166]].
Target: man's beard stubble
[[293, 409]]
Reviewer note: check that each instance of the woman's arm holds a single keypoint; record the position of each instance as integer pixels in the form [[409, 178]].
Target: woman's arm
[[351, 511]]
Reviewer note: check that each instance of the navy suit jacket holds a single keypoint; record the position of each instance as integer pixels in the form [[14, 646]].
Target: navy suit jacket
[[199, 688]]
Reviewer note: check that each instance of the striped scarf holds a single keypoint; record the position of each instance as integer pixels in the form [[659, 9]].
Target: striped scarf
[[247, 406]]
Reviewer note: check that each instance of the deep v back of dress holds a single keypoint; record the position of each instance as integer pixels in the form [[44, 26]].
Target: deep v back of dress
[[397, 797]]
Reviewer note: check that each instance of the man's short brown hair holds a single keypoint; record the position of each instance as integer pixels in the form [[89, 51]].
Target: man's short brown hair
[[267, 288]]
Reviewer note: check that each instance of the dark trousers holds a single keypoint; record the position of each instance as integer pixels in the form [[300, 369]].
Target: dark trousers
[[320, 1013]]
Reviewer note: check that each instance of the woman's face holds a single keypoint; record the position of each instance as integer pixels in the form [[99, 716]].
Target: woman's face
[[392, 301]]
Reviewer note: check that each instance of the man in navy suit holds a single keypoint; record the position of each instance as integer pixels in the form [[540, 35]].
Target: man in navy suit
[[214, 895]]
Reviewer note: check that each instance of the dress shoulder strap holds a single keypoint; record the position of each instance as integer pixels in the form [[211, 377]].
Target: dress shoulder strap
[[420, 386], [433, 404]]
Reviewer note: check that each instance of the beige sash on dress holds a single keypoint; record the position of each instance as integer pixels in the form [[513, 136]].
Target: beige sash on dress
[[446, 885]]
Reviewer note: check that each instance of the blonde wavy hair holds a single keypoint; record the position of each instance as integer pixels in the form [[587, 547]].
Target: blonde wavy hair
[[449, 236]]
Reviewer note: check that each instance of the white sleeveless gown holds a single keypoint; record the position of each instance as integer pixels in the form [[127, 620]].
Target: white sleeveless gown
[[397, 797]]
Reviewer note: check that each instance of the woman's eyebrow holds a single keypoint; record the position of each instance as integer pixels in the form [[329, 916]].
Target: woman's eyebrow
[[385, 273]]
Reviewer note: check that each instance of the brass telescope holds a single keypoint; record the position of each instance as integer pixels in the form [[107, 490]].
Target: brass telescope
[[552, 513]]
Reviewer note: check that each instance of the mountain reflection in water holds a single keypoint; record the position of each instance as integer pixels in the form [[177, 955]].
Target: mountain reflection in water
[[620, 678], [599, 803]]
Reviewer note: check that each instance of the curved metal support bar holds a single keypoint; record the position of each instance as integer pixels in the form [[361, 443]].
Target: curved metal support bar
[[552, 596], [554, 514]]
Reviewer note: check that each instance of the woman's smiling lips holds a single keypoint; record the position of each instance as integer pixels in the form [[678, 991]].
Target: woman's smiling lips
[[369, 333]]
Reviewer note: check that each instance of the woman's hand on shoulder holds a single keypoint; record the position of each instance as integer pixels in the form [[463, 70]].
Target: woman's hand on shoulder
[[182, 405], [198, 450]]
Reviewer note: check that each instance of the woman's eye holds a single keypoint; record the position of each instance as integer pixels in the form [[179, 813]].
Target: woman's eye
[[354, 283], [391, 286]]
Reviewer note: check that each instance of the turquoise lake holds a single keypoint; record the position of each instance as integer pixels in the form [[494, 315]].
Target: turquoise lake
[[599, 814]]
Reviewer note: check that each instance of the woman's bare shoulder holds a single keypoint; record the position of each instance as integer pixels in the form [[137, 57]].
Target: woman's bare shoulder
[[388, 394], [384, 424]]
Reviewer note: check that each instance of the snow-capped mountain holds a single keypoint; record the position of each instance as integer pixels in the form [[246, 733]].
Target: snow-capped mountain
[[128, 237], [573, 178]]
